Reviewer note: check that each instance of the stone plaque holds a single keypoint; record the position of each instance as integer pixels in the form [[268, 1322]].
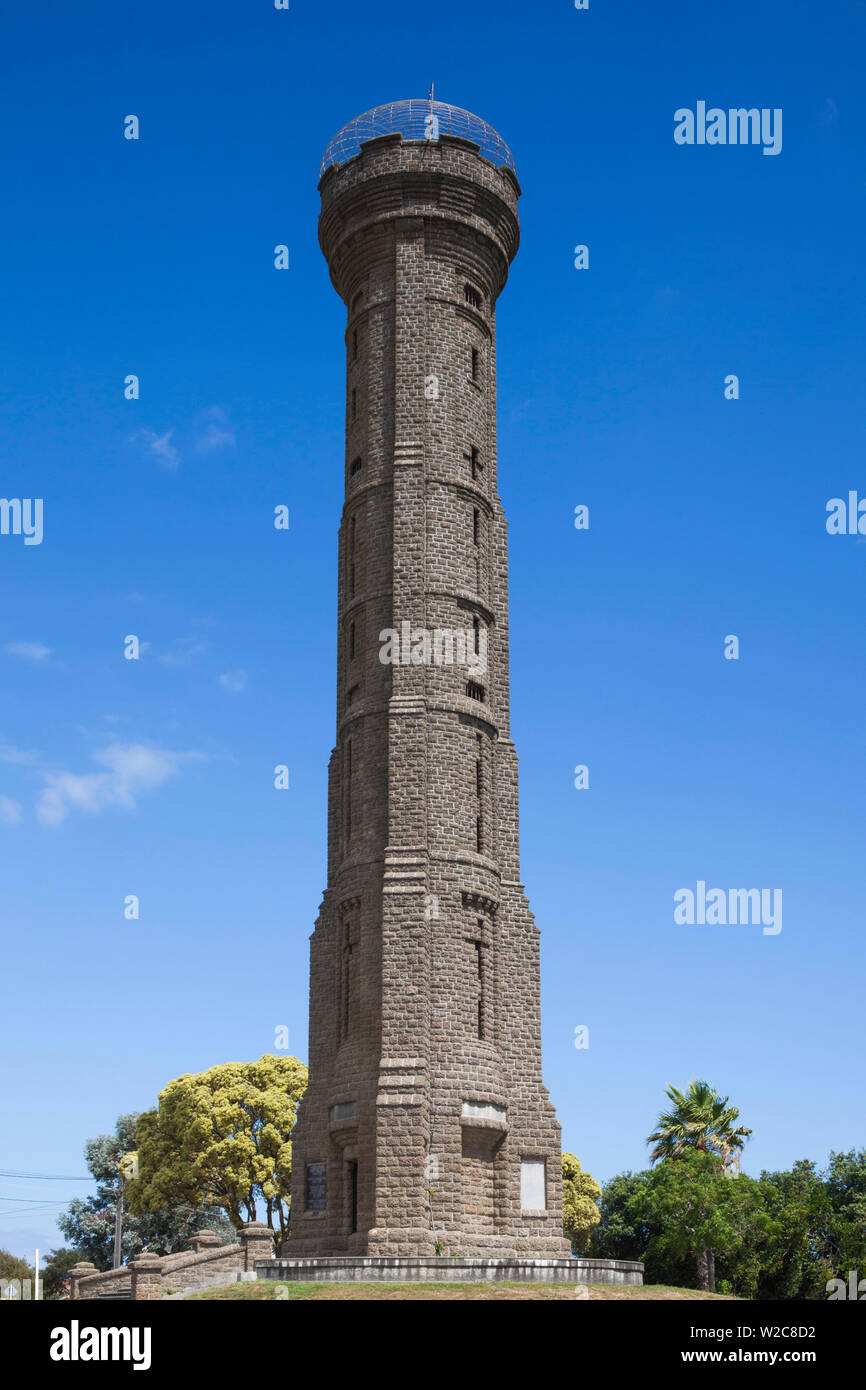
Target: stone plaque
[[316, 1186], [533, 1188]]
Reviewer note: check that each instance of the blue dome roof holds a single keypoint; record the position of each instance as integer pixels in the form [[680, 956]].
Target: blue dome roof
[[409, 117]]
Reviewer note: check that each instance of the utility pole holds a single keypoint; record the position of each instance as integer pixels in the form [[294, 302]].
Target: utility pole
[[127, 1168], [118, 1220]]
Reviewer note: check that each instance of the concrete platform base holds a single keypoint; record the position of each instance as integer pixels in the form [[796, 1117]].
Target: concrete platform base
[[347, 1269]]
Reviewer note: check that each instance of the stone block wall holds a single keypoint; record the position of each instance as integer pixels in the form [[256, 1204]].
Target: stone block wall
[[150, 1277]]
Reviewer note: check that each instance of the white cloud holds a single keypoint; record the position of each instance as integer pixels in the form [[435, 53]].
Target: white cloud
[[10, 811], [160, 445], [130, 770], [234, 681], [183, 652], [31, 651], [210, 431], [217, 434], [10, 754]]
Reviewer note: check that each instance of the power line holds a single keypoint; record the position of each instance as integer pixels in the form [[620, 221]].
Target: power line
[[47, 1177], [43, 1201], [43, 1208]]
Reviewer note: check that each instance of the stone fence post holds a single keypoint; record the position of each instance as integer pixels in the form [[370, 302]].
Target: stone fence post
[[146, 1278], [205, 1240], [257, 1240], [76, 1274]]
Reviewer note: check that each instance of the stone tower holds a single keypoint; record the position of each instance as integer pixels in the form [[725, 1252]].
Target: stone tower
[[426, 1126]]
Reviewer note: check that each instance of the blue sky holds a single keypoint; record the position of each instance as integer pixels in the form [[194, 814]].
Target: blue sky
[[707, 517]]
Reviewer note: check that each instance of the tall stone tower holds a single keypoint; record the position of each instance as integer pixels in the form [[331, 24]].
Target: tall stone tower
[[426, 1126]]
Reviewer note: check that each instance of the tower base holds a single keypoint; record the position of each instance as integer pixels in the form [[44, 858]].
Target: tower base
[[428, 1269]]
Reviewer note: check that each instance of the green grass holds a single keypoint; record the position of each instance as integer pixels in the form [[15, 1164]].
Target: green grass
[[439, 1292]]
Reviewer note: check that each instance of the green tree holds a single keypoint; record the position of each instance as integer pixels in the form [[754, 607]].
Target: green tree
[[222, 1139], [625, 1233], [694, 1207], [13, 1268], [751, 1253], [845, 1180], [798, 1202], [88, 1222], [580, 1194], [56, 1269], [793, 1230], [702, 1121], [620, 1235]]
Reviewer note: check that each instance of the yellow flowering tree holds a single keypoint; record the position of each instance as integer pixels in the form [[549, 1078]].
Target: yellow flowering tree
[[222, 1138], [580, 1194]]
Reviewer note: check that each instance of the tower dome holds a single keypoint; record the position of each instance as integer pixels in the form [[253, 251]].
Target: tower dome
[[410, 118]]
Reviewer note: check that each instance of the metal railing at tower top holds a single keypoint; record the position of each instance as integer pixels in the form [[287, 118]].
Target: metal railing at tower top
[[411, 118]]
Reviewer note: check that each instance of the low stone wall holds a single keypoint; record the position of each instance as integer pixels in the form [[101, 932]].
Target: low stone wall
[[110, 1283], [151, 1277], [443, 1268], [192, 1269], [609, 1271]]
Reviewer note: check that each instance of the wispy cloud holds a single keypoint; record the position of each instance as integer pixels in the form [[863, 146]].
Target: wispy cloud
[[30, 651], [128, 771], [183, 651], [10, 811], [10, 754], [210, 430], [160, 445], [234, 681], [829, 113], [216, 431]]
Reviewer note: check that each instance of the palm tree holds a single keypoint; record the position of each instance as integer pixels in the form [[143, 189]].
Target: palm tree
[[700, 1119]]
